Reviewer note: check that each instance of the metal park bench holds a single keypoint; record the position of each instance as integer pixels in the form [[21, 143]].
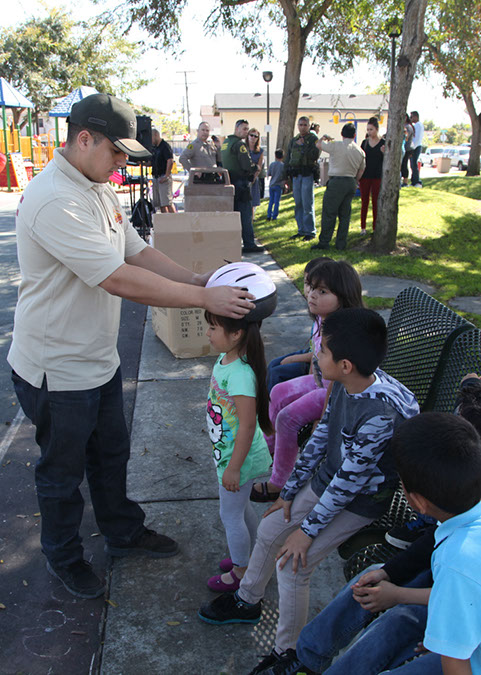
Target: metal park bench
[[430, 350]]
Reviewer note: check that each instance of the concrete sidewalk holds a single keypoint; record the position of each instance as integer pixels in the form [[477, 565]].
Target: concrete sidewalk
[[152, 626]]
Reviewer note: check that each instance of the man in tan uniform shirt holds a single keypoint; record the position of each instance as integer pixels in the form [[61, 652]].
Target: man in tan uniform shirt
[[78, 257], [201, 152], [347, 162]]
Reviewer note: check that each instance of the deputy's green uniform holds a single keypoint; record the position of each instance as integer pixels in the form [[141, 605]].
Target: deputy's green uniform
[[302, 159], [301, 165], [236, 158], [199, 153]]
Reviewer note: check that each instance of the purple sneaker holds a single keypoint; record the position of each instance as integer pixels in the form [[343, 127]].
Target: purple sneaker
[[218, 586]]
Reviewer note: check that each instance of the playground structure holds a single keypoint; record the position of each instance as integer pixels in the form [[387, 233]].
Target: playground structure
[[14, 172], [29, 154], [37, 149]]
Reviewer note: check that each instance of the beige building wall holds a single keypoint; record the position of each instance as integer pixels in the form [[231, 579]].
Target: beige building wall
[[258, 118]]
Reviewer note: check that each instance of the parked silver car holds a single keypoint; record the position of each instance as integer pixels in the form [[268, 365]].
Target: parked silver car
[[460, 158]]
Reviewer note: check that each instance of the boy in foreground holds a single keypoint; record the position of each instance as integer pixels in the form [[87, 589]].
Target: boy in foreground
[[438, 456], [325, 502]]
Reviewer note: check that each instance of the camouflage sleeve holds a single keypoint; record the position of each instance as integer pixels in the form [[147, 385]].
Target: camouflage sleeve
[[186, 156], [311, 457], [358, 473]]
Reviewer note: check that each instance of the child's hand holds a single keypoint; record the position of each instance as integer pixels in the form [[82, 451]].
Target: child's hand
[[296, 545], [421, 649], [230, 479], [371, 578], [280, 504], [377, 598]]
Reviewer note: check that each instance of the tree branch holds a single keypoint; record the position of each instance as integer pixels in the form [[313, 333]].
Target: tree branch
[[290, 10], [234, 3]]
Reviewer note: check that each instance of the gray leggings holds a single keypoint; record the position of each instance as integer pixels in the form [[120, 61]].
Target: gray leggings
[[240, 522]]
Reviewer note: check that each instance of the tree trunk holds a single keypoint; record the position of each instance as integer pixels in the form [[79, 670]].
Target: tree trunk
[[17, 114], [296, 46], [384, 239], [473, 161]]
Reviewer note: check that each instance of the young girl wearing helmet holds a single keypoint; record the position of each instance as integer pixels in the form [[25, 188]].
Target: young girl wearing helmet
[[237, 414]]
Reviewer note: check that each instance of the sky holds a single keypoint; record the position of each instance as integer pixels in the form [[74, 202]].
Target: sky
[[217, 65]]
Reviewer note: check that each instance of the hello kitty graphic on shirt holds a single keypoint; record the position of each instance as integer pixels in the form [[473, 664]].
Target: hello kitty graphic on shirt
[[214, 426]]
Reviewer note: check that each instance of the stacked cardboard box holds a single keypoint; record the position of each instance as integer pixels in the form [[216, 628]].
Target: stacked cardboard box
[[209, 196], [201, 242]]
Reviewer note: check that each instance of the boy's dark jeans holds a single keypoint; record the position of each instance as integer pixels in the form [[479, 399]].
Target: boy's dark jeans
[[386, 642], [80, 432]]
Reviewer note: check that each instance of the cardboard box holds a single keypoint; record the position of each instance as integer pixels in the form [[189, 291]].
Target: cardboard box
[[200, 242], [202, 197]]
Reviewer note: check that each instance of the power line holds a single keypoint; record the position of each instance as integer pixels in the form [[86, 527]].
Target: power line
[[186, 84]]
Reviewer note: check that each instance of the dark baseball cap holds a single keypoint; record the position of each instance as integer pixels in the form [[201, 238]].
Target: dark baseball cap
[[111, 117]]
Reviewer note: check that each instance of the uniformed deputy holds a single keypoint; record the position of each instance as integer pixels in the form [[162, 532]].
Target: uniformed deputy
[[236, 159], [301, 165], [201, 152]]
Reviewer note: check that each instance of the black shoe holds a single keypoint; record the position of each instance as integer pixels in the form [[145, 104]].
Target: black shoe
[[268, 218], [253, 249], [319, 246], [79, 579], [268, 661], [288, 664], [402, 537], [229, 608], [296, 236], [308, 237], [148, 543]]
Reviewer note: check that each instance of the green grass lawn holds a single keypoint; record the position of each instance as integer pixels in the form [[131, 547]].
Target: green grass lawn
[[468, 187], [439, 239]]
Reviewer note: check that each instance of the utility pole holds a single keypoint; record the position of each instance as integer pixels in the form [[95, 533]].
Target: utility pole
[[186, 84]]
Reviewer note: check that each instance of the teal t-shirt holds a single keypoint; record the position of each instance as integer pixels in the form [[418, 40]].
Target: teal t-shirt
[[234, 379]]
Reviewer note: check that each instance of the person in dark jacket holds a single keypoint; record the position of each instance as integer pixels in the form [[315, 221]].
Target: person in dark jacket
[[302, 167], [237, 160]]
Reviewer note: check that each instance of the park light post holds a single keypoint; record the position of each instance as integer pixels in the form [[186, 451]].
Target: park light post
[[267, 76]]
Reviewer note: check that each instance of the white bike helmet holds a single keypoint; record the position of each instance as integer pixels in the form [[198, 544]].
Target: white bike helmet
[[253, 279]]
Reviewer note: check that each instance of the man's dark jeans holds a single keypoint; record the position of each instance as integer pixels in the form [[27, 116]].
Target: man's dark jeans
[[243, 204], [414, 159], [80, 432]]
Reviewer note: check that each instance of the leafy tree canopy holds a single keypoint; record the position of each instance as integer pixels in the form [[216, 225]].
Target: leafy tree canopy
[[454, 45], [47, 58], [332, 33], [335, 31]]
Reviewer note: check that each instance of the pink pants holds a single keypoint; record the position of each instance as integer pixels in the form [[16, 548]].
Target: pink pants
[[293, 404]]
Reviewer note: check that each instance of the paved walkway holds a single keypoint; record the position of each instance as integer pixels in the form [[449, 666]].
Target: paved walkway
[[152, 625]]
